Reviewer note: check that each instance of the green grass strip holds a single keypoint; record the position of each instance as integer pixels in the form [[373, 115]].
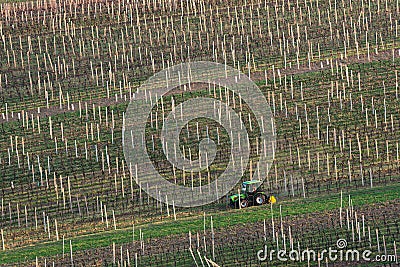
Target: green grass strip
[[223, 219]]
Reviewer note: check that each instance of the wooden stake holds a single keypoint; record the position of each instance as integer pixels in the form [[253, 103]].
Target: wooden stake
[[2, 240]]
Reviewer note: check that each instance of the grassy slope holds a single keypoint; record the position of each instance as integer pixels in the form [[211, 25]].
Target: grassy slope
[[289, 208]]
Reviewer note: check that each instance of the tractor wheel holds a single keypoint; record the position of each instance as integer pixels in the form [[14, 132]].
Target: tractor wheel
[[244, 203], [260, 199]]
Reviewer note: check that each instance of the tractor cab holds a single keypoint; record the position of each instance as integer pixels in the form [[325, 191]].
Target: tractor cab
[[250, 187]]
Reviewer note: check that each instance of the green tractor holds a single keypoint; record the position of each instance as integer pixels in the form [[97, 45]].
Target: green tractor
[[250, 195]]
